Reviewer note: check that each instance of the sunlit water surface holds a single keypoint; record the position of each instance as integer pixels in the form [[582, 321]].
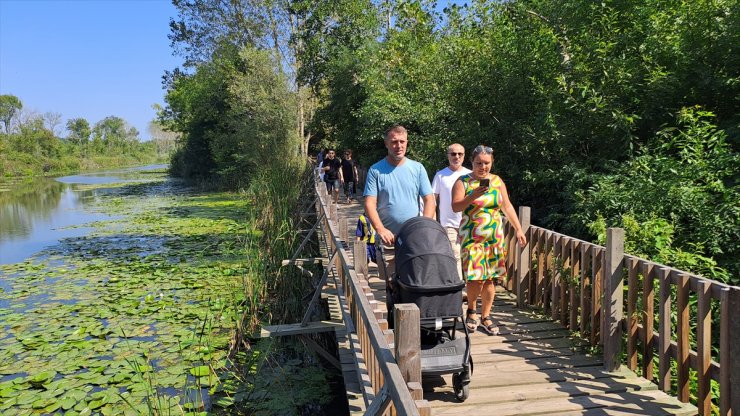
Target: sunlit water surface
[[38, 213]]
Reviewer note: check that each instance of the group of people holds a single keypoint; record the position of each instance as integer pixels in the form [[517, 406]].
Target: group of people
[[337, 172], [470, 204]]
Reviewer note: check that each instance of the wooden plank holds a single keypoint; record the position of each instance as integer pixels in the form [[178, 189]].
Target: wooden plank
[[555, 283], [633, 269], [304, 261], [296, 329], [648, 317], [683, 338], [547, 282], [585, 280], [538, 391], [541, 256], [664, 343], [493, 366], [704, 348], [734, 364], [564, 305], [645, 402], [596, 291], [522, 270], [724, 352], [574, 289]]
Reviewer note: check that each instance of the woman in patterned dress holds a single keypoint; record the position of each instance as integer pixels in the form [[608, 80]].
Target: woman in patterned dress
[[483, 250]]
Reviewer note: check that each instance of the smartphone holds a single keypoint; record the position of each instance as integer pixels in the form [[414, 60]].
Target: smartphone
[[485, 182]]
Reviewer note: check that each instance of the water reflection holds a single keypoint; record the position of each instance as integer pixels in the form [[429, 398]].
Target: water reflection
[[37, 213]]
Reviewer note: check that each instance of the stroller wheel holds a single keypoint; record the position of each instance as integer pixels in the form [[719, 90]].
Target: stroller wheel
[[462, 390]]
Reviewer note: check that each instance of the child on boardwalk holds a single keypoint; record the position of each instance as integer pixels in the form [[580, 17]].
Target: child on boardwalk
[[365, 232]]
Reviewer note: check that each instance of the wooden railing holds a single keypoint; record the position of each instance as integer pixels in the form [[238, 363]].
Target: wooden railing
[[386, 391], [582, 285]]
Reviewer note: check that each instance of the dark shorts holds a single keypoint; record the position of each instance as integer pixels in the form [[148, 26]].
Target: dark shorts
[[332, 185], [349, 189]]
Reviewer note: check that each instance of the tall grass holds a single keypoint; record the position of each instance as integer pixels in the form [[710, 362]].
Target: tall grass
[[281, 380]]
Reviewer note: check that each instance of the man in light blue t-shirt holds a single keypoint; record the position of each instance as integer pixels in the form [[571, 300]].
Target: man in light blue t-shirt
[[392, 191]]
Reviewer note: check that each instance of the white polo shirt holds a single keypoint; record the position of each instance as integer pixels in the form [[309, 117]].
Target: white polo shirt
[[442, 186]]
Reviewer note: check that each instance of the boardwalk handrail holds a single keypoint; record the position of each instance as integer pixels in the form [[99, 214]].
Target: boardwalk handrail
[[570, 279], [390, 393]]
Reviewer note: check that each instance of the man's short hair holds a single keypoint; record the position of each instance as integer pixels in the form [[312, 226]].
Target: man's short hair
[[348, 151], [396, 128]]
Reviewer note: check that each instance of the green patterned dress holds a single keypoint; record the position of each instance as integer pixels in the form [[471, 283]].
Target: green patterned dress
[[483, 250]]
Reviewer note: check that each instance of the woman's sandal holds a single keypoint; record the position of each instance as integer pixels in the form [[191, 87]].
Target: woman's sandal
[[490, 329], [471, 323]]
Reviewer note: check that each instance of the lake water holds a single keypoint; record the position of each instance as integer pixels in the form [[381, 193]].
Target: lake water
[[39, 212]]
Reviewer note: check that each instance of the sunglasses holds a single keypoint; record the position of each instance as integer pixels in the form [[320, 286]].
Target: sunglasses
[[456, 153], [482, 149]]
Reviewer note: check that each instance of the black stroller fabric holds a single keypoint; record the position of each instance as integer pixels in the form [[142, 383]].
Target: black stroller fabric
[[426, 269]]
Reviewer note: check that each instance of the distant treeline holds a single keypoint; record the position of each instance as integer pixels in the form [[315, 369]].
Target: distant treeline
[[30, 144], [610, 113]]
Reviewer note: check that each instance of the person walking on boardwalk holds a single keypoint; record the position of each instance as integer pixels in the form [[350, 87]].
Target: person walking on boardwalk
[[481, 196], [392, 191], [442, 186], [332, 173], [349, 173]]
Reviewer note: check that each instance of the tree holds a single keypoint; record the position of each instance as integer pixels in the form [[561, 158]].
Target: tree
[[79, 131], [52, 121], [113, 131], [164, 140], [10, 105], [207, 26]]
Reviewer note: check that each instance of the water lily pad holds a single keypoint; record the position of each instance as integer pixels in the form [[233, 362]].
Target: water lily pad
[[38, 380], [200, 371]]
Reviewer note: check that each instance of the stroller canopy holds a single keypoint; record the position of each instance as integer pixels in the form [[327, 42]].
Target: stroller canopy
[[424, 258]]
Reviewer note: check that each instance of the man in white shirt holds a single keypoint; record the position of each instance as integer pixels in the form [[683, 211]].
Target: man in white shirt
[[442, 187]]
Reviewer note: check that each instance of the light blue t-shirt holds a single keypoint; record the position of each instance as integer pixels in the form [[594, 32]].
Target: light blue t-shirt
[[397, 189]]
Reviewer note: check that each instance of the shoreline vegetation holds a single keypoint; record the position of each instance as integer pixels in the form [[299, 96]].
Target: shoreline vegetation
[[31, 145]]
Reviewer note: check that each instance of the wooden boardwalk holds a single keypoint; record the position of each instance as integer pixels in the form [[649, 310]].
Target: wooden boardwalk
[[534, 366]]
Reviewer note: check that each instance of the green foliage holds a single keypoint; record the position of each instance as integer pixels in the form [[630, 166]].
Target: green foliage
[[79, 130], [10, 105], [236, 114], [606, 108], [681, 195]]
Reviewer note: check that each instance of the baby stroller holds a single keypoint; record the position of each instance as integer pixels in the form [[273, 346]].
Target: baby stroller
[[426, 274]]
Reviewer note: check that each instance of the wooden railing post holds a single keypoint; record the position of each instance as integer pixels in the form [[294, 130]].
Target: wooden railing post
[[613, 298], [734, 362], [522, 267], [407, 341]]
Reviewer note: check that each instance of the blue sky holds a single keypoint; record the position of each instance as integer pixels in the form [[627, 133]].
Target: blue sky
[[87, 58]]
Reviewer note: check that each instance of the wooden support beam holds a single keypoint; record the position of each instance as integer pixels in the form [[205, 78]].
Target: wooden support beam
[[734, 364], [406, 324], [704, 348], [301, 262], [613, 298], [664, 341], [296, 329], [380, 404], [316, 292], [320, 350]]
